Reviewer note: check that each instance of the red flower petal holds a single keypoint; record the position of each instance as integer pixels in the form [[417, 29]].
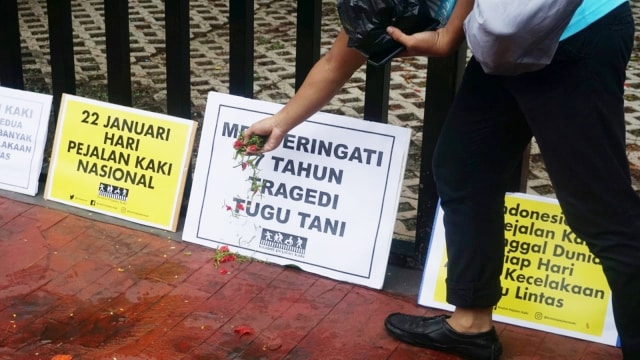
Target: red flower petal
[[224, 271], [240, 206], [252, 148], [243, 330], [223, 248]]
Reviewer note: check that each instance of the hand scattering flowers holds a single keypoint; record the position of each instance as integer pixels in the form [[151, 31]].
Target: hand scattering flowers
[[248, 156]]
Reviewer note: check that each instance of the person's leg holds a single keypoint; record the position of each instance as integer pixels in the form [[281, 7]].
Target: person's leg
[[575, 109], [480, 145], [478, 150]]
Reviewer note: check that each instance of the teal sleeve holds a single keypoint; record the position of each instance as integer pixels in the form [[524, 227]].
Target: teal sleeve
[[588, 13]]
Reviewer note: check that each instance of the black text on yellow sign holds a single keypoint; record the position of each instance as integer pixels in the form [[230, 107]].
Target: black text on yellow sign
[[549, 276], [116, 153], [121, 160]]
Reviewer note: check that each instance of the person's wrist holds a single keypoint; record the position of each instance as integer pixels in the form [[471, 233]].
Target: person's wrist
[[450, 39]]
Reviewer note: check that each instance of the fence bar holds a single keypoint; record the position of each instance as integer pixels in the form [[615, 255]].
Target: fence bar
[[178, 65], [308, 37], [376, 98], [518, 180], [443, 78], [63, 76], [10, 57], [116, 13], [241, 31]]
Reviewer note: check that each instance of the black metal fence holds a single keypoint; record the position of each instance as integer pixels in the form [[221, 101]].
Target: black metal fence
[[442, 73]]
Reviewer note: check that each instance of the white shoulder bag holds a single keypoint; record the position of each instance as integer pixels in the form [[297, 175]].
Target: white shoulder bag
[[510, 37]]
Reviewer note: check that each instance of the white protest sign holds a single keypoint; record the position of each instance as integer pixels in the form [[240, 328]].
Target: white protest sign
[[24, 119], [329, 193], [550, 279]]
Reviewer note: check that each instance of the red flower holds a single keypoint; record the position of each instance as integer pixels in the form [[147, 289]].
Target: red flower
[[244, 165], [238, 144], [252, 148], [229, 208], [240, 207], [224, 248], [223, 271]]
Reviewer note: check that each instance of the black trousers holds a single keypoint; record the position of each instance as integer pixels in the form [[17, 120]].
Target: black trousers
[[574, 109]]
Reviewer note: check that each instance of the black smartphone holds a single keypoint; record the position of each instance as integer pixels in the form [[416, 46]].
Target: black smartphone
[[380, 58]]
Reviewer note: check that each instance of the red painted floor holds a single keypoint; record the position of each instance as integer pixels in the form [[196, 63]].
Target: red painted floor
[[74, 286]]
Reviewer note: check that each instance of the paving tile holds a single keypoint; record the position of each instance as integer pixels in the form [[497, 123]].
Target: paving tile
[[142, 331], [66, 230], [79, 276], [596, 351], [210, 278], [54, 262], [142, 263], [19, 225], [307, 312], [163, 247], [189, 333], [84, 246], [266, 346], [347, 331], [27, 248], [260, 273], [283, 292], [47, 350], [182, 265], [123, 247], [211, 351], [407, 352], [171, 272], [25, 281], [139, 298], [561, 348], [232, 297], [45, 217], [520, 343], [10, 209], [18, 316]]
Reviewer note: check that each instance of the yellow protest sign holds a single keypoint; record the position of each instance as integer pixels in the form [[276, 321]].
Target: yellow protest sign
[[550, 280], [120, 161]]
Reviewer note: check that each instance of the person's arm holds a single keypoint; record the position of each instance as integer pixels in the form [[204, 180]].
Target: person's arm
[[324, 80], [441, 42]]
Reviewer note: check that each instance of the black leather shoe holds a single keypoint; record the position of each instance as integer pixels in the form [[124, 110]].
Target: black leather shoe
[[435, 333]]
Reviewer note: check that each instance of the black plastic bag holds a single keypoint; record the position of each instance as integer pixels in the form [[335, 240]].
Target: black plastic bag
[[365, 22]]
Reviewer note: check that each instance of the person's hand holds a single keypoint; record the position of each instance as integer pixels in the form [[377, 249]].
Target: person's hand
[[267, 127], [441, 42], [425, 43]]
